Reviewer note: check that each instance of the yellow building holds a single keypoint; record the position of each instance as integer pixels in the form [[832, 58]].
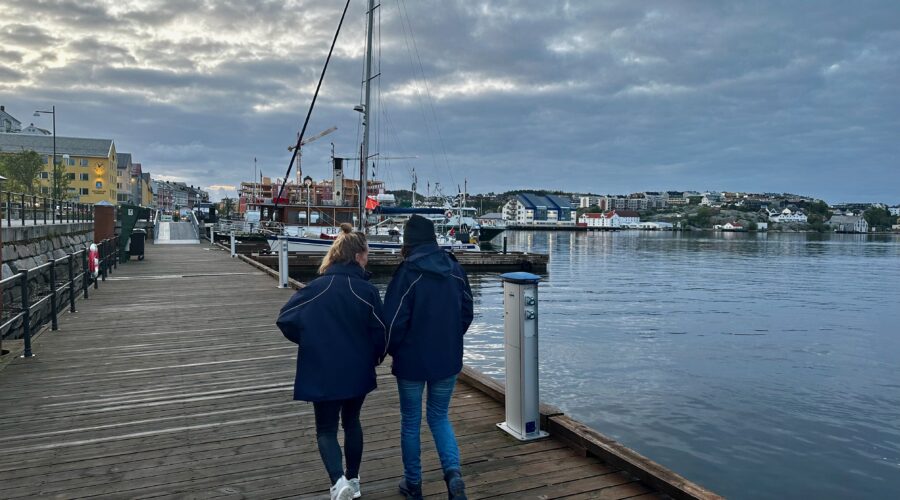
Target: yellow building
[[90, 164]]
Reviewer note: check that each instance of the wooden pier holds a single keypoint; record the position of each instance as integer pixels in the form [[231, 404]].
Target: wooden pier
[[172, 381], [306, 264]]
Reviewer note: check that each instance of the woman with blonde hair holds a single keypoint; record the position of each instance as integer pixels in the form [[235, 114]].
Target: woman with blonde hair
[[336, 322]]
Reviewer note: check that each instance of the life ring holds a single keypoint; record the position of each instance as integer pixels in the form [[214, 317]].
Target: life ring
[[93, 260], [449, 213]]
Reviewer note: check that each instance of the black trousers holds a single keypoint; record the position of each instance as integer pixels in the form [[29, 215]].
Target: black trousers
[[327, 415]]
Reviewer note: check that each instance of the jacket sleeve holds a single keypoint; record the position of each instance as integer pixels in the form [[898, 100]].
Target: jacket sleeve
[[468, 306], [377, 328], [397, 309], [289, 319]]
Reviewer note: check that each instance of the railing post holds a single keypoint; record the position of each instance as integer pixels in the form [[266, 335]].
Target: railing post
[[116, 251], [233, 246], [103, 264], [26, 315], [8, 209], [283, 262], [23, 209], [85, 280], [44, 206], [53, 209], [212, 235], [520, 304], [54, 306], [71, 264]]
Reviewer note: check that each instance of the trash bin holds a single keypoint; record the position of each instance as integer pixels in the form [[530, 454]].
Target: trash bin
[[136, 247]]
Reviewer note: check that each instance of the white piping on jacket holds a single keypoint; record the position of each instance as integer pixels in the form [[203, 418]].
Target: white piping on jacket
[[310, 300], [464, 282], [391, 330], [370, 306]]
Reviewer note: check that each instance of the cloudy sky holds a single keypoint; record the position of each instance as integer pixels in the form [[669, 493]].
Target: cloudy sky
[[598, 96]]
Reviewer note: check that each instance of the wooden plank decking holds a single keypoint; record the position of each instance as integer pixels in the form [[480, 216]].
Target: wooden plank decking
[[173, 381]]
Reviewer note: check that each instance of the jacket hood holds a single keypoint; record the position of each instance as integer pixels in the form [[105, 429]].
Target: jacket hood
[[430, 258], [348, 268]]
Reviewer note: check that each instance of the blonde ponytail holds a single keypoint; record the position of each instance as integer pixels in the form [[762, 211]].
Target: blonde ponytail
[[344, 248]]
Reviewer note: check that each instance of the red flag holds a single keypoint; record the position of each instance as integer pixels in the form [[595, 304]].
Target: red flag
[[371, 203]]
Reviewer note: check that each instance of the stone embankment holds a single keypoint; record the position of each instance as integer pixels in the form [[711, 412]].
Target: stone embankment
[[26, 248]]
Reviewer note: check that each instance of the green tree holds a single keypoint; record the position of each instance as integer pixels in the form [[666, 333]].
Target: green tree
[[702, 217], [60, 181], [879, 218], [21, 170], [227, 207], [695, 200]]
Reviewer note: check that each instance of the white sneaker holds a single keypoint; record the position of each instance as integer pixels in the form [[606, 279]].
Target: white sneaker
[[354, 484], [341, 490]]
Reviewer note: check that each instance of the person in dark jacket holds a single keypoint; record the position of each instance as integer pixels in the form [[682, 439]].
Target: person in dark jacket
[[428, 308], [336, 321]]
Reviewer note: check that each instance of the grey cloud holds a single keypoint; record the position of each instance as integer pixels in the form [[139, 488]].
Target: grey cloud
[[9, 75], [637, 95], [25, 36]]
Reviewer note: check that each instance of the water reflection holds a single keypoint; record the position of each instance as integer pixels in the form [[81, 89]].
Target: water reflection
[[727, 356]]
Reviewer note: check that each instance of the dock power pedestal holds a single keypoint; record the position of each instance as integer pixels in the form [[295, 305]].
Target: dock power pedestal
[[520, 325]]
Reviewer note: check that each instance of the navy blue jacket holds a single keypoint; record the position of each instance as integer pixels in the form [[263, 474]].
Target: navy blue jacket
[[428, 308], [336, 322]]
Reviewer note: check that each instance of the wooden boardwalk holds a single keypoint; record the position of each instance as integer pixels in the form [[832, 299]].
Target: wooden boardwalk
[[173, 381]]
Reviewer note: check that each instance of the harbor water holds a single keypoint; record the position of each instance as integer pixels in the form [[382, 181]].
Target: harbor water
[[758, 365]]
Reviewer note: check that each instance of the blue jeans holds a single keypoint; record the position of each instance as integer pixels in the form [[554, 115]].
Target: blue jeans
[[436, 412]]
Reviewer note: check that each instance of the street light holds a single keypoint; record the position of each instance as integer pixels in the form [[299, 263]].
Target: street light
[[307, 181], [52, 111]]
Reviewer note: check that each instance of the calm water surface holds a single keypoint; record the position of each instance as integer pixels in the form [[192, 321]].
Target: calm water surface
[[760, 366]]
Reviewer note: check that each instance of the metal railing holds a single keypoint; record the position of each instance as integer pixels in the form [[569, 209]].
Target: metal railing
[[46, 282], [32, 209]]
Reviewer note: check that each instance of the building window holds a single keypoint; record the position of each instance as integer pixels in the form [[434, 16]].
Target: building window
[[70, 176], [45, 175], [45, 190], [84, 162], [83, 191], [85, 177]]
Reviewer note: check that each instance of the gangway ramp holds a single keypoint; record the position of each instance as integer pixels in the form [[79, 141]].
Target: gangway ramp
[[174, 233]]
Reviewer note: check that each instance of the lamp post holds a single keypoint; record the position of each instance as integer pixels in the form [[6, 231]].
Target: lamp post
[[53, 113], [307, 181]]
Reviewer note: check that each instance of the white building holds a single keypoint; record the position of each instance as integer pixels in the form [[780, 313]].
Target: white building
[[895, 211], [618, 219], [529, 209], [591, 220], [587, 201], [787, 215], [849, 224]]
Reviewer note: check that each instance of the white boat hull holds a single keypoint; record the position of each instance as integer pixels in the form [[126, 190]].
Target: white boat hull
[[321, 245]]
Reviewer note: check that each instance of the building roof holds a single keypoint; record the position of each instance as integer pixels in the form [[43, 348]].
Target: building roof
[[592, 215], [492, 215], [14, 124], [623, 213], [123, 160], [559, 201], [43, 144], [844, 219]]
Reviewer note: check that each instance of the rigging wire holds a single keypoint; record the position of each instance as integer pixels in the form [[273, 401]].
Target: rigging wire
[[312, 105], [428, 95]]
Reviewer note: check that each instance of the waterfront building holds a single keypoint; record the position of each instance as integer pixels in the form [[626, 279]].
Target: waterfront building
[[656, 226], [530, 209], [123, 179], [88, 164], [612, 202], [848, 224], [591, 220], [619, 219], [676, 198], [171, 196], [895, 211]]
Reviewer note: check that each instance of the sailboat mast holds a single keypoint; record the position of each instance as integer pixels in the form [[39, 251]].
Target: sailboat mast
[[364, 154]]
